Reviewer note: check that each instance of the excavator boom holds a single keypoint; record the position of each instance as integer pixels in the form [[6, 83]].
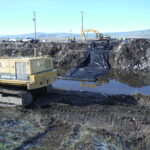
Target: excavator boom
[[99, 36]]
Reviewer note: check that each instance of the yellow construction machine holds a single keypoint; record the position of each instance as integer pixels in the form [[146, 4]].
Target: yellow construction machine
[[99, 36], [20, 77]]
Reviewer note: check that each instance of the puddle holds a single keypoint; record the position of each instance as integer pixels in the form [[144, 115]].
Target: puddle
[[111, 88], [113, 83]]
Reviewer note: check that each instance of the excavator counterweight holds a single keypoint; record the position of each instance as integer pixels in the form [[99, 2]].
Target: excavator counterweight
[[20, 76]]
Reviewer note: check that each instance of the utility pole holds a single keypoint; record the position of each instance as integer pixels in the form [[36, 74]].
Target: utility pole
[[82, 28], [70, 33], [34, 20], [82, 20]]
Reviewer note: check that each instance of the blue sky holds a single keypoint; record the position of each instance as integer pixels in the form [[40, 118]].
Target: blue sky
[[64, 15]]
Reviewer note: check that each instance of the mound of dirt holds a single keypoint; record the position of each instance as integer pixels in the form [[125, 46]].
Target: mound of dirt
[[63, 54], [133, 54]]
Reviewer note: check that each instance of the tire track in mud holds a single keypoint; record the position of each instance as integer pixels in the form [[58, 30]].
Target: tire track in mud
[[128, 123], [127, 119], [99, 117]]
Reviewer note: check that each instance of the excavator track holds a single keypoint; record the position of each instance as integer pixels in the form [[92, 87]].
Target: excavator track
[[10, 97]]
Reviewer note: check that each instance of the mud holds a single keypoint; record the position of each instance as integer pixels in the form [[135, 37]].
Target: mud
[[68, 120]]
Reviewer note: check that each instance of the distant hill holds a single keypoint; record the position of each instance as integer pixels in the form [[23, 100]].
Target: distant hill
[[131, 34], [39, 35]]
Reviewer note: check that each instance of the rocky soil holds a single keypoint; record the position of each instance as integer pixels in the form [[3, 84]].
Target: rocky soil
[[132, 55]]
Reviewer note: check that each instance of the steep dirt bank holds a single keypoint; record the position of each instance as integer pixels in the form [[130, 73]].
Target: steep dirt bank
[[131, 54], [64, 54]]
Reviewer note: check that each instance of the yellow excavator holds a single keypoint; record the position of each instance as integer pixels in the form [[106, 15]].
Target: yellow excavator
[[98, 36], [21, 77]]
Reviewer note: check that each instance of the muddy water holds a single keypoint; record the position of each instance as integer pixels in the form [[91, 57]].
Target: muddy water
[[114, 83], [112, 87]]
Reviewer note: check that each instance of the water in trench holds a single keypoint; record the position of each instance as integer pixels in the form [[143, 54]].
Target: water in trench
[[114, 83]]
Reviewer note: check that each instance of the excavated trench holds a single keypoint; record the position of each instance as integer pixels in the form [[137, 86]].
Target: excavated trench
[[80, 120]]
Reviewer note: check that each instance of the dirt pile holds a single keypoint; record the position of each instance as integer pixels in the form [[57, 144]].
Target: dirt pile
[[133, 54], [64, 54]]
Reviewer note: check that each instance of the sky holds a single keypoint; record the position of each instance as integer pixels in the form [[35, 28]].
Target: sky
[[65, 15]]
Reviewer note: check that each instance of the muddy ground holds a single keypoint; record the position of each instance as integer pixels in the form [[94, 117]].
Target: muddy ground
[[68, 120]]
